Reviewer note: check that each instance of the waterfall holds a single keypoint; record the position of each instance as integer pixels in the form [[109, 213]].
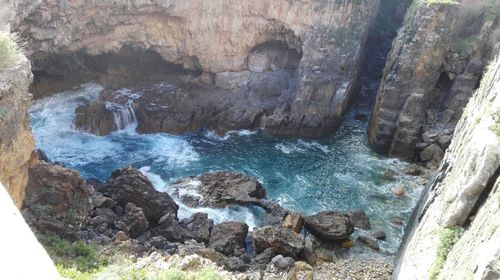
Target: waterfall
[[123, 115]]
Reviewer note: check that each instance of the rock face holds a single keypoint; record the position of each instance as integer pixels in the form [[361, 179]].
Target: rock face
[[281, 240], [219, 189], [129, 185], [330, 226], [430, 74], [229, 43], [228, 237], [462, 197], [57, 198], [16, 141]]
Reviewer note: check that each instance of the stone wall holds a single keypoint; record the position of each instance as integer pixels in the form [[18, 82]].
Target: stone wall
[[463, 197], [16, 141]]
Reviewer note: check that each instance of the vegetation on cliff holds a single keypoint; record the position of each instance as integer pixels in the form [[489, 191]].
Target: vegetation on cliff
[[8, 52], [447, 238]]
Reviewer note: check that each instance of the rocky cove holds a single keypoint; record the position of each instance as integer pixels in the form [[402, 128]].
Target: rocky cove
[[174, 137]]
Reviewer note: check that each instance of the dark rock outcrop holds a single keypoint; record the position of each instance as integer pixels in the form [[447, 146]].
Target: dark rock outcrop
[[199, 225], [134, 222], [359, 219], [330, 225], [57, 199], [228, 237], [280, 240], [129, 185]]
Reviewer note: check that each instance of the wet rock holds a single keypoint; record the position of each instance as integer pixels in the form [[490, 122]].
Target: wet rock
[[199, 225], [219, 189], [330, 225], [398, 191], [129, 185], [281, 240], [59, 195], [169, 227], [361, 117], [228, 236], [360, 219], [134, 222], [294, 222], [379, 235], [414, 170], [282, 263], [95, 118], [41, 156], [369, 241]]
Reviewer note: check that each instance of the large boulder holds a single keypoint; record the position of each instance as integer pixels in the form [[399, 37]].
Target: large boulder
[[57, 198], [169, 227], [134, 222], [219, 189], [199, 225], [330, 225], [227, 237], [95, 118], [129, 185], [280, 240]]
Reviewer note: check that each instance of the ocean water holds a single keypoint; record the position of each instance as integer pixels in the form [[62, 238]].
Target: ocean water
[[339, 172]]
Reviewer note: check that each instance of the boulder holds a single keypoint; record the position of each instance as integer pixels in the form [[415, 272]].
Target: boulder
[[368, 241], [414, 170], [134, 222], [236, 264], [199, 225], [330, 225], [280, 240], [294, 222], [379, 235], [129, 185], [432, 155], [59, 195], [359, 219], [219, 189], [282, 263], [169, 227], [398, 190], [95, 118], [228, 236]]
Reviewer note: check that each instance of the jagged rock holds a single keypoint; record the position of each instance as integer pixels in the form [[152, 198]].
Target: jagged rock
[[95, 118], [120, 236], [265, 256], [294, 222], [158, 242], [41, 156], [199, 225], [430, 136], [359, 219], [220, 189], [169, 227], [398, 191], [134, 222], [236, 264], [444, 141], [432, 155], [282, 263], [369, 241], [281, 240], [379, 235], [59, 194], [129, 185], [414, 170], [330, 225], [98, 200], [228, 236]]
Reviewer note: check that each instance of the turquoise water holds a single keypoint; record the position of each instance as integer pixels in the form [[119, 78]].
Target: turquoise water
[[335, 173]]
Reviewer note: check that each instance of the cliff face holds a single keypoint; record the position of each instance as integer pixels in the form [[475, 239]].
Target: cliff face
[[16, 141], [433, 68], [455, 232], [228, 43]]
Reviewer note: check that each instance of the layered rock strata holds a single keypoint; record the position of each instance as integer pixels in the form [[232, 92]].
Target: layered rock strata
[[221, 42], [432, 70], [16, 141], [455, 233]]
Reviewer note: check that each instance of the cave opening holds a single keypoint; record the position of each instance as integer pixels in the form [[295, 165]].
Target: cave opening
[[127, 67], [273, 55]]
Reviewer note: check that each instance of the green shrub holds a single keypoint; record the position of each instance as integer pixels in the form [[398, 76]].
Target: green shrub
[[447, 238], [77, 256], [8, 51]]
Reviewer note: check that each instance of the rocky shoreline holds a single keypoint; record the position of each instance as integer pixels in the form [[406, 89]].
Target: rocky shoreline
[[126, 209]]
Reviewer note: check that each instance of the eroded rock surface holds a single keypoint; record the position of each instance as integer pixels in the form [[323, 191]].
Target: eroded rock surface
[[330, 226]]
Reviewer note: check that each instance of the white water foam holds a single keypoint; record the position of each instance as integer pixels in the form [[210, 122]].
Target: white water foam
[[123, 115]]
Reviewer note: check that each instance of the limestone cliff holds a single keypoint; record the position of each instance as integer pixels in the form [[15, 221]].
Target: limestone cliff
[[433, 68], [455, 232], [228, 43], [16, 141]]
